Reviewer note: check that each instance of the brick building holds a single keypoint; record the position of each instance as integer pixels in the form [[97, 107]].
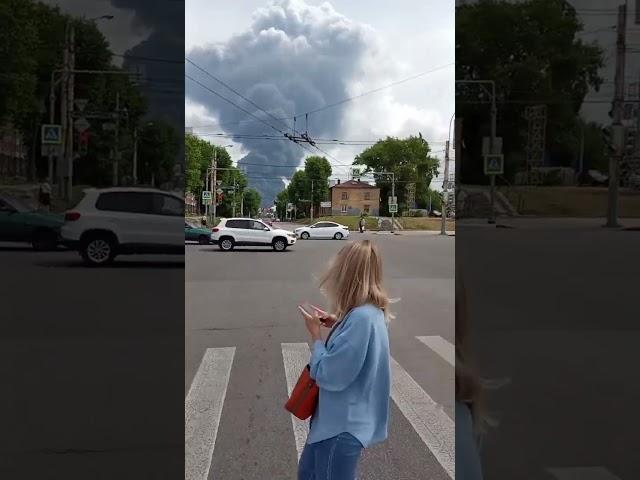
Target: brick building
[[354, 198]]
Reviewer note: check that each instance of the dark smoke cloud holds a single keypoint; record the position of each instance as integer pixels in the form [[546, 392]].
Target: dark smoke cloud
[[294, 58], [160, 56]]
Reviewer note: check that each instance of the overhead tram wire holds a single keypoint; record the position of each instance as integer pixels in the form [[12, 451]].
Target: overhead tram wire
[[345, 100], [235, 91]]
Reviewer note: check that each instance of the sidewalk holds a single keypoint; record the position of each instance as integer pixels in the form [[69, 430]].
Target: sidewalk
[[547, 223]]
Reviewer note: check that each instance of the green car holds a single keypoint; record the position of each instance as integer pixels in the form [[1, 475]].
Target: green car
[[21, 223], [201, 235]]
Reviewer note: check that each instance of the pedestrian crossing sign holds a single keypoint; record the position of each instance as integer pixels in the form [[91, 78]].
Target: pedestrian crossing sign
[[206, 195], [493, 164], [51, 134]]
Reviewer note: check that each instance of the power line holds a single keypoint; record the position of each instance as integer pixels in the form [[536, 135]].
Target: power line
[[232, 103], [349, 99], [234, 91]]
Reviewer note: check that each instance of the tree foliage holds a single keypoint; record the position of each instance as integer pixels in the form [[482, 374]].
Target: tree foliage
[[316, 169], [410, 160], [535, 58], [252, 202]]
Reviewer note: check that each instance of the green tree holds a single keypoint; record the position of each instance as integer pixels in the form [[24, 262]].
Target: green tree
[[409, 159], [319, 170], [158, 147], [252, 202], [281, 203], [535, 58]]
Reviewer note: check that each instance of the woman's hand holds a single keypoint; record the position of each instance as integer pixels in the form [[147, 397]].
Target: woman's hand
[[312, 321], [327, 320]]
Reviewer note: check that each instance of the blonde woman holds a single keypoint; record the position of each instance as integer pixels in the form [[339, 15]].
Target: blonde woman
[[352, 371]]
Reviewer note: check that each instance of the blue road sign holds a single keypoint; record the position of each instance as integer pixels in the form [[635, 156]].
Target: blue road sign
[[51, 134]]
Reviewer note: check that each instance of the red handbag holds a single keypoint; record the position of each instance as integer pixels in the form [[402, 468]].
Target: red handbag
[[304, 397]]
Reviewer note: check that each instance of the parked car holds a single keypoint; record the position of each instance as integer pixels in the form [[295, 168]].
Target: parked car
[[323, 230], [193, 233], [233, 232], [117, 221], [21, 223]]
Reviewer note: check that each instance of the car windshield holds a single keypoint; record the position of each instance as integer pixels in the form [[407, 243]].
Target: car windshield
[[17, 204]]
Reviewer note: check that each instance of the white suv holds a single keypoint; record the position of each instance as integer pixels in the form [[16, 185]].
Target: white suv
[[116, 221], [233, 232]]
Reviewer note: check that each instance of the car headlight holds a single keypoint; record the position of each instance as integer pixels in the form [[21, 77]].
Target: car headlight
[[292, 235]]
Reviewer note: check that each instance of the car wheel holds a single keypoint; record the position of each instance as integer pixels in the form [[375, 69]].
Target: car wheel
[[98, 250], [304, 235], [203, 240], [338, 236], [44, 240], [279, 245], [226, 244]]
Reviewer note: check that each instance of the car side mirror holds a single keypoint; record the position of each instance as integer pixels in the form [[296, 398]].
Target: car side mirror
[[266, 229]]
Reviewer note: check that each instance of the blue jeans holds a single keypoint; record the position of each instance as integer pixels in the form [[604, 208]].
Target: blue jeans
[[332, 459]]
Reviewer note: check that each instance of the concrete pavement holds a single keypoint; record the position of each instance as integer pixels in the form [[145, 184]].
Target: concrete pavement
[[245, 300]]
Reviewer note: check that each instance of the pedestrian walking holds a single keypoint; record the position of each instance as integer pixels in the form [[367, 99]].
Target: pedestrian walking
[[351, 368], [362, 224], [470, 418], [44, 196]]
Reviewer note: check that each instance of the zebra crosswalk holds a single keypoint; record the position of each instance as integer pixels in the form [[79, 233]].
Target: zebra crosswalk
[[204, 406]]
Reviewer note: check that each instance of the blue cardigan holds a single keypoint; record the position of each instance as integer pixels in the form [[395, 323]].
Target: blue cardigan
[[353, 374]]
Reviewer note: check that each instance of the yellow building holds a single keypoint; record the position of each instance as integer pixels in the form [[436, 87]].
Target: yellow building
[[355, 197]]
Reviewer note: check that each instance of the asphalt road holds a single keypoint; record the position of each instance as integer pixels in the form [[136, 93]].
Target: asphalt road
[[87, 361], [554, 310], [241, 309]]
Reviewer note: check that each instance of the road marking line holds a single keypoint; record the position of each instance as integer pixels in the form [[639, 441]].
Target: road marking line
[[203, 409], [440, 346], [426, 417], [295, 357], [582, 473]]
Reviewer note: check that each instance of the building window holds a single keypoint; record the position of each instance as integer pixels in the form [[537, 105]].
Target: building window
[[344, 208], [366, 209], [345, 195], [367, 195]]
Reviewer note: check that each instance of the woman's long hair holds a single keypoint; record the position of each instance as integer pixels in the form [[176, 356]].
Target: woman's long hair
[[469, 387], [355, 278]]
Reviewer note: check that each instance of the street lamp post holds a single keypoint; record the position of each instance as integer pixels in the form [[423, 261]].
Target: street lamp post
[[445, 184], [212, 171]]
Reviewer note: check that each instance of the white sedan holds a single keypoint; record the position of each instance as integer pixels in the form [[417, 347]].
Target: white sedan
[[323, 230]]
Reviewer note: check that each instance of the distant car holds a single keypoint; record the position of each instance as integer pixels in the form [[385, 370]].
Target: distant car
[[268, 221], [323, 230], [193, 233], [21, 223], [435, 213], [118, 221], [234, 232]]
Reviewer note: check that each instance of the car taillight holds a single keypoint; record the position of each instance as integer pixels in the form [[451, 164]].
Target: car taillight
[[71, 216], [216, 229]]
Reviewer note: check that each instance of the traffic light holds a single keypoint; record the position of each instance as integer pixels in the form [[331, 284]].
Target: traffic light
[[630, 141]]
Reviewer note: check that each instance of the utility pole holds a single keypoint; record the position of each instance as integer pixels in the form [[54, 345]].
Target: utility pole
[[393, 194], [64, 117], [116, 153], [70, 103], [234, 196], [214, 187], [492, 142], [614, 160], [581, 158], [311, 201], [135, 155], [445, 188]]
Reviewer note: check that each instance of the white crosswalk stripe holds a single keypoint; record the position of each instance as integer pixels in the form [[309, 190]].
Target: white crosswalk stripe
[[295, 356], [582, 473], [205, 401], [440, 346], [203, 409], [427, 418]]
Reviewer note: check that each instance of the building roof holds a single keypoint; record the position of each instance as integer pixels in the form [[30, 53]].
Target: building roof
[[353, 184]]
